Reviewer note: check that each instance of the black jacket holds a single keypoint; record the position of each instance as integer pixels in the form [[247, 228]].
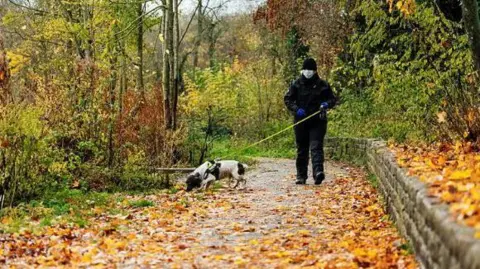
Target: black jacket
[[309, 94]]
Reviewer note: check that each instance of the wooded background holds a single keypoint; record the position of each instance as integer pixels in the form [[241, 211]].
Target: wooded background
[[94, 93]]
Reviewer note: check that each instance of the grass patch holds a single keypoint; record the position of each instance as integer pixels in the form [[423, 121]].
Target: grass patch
[[407, 249], [47, 221], [141, 203], [64, 201], [65, 206], [173, 190], [81, 222], [373, 180]]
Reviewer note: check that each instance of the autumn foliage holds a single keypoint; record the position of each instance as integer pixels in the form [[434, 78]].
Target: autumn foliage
[[452, 174], [320, 25]]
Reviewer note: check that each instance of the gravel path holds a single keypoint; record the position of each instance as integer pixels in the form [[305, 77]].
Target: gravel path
[[273, 223]]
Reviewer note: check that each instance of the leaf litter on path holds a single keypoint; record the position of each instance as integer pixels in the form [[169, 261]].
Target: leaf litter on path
[[273, 224]]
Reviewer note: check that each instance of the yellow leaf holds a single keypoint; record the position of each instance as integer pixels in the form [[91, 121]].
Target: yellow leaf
[[442, 117], [399, 5], [304, 232], [359, 252], [372, 254], [471, 115], [460, 175], [253, 242], [477, 235], [447, 197], [475, 192], [87, 258]]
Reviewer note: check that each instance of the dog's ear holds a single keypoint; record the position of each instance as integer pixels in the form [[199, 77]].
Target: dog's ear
[[193, 181]]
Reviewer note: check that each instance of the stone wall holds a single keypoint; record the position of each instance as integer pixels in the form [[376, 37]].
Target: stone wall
[[438, 241]]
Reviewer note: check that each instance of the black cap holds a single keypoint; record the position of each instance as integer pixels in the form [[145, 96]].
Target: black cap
[[309, 64]]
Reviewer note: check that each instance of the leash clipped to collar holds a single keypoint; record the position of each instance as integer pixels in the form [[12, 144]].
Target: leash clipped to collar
[[210, 166], [272, 136]]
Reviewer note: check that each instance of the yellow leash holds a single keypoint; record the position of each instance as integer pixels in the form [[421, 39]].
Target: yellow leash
[[274, 135]]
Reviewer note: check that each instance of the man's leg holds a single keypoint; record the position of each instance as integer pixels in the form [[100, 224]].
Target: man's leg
[[302, 141], [317, 135]]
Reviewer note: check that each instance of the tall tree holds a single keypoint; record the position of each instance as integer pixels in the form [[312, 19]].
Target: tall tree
[[198, 40], [167, 61], [472, 25], [176, 71], [213, 33], [112, 95], [140, 82]]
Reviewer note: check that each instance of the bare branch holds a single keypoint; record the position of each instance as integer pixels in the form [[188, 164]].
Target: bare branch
[[188, 26], [41, 12]]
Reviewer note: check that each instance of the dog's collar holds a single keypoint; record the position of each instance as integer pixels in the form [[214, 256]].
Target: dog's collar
[[212, 163]]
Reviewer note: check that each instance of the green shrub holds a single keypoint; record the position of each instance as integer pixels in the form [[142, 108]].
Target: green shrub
[[28, 162]]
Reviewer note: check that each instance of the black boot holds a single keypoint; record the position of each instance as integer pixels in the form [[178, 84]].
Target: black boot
[[319, 178], [301, 181]]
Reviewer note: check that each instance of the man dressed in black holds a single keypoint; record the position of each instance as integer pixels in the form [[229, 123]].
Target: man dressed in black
[[307, 95]]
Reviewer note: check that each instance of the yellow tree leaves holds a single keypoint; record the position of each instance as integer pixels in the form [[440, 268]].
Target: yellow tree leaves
[[17, 61], [216, 89], [244, 95], [452, 173], [406, 7]]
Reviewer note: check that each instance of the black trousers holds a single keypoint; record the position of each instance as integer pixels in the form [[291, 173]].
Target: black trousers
[[309, 136]]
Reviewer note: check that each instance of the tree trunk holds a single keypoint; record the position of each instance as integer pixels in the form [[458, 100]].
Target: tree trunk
[[111, 124], [140, 82], [472, 25], [112, 116], [87, 18], [199, 34], [167, 51], [123, 84], [176, 71], [211, 45], [171, 57], [121, 92]]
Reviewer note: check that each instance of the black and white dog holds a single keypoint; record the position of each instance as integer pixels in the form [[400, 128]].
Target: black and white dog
[[200, 178]]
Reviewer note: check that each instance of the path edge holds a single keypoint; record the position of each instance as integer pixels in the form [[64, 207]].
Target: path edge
[[438, 241]]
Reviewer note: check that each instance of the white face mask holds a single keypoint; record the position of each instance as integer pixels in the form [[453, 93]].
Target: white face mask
[[308, 73]]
